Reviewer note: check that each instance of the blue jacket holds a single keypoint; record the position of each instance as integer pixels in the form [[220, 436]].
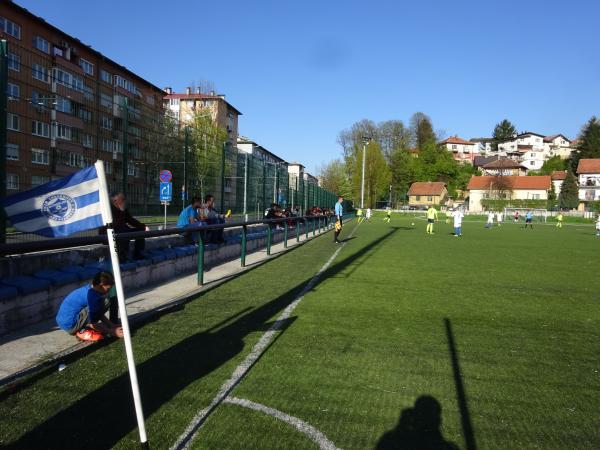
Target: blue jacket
[[83, 297]]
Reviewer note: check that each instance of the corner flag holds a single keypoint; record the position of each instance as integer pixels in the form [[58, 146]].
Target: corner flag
[[58, 208]]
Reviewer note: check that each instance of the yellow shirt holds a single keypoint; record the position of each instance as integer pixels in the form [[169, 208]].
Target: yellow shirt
[[559, 217], [359, 212], [432, 213]]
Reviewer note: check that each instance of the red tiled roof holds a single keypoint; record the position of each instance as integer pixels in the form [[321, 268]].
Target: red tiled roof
[[589, 166], [504, 164], [514, 182], [558, 175], [456, 140], [427, 188]]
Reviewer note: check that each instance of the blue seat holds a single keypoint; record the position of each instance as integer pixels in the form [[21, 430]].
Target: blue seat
[[190, 249], [83, 273], [26, 285], [128, 266], [157, 256], [8, 292], [180, 252], [169, 253], [100, 265], [211, 247], [143, 262], [57, 278]]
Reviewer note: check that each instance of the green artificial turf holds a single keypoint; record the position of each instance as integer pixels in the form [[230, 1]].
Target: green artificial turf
[[490, 340]]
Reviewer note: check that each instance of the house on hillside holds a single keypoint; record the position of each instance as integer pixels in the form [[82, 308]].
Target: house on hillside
[[558, 176], [483, 145], [588, 172], [505, 167], [558, 145], [427, 193], [462, 150], [506, 188]]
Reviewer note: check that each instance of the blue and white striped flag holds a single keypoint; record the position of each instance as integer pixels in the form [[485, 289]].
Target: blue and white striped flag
[[58, 208]]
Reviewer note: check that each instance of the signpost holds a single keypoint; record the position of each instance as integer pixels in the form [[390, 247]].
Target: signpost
[[165, 190]]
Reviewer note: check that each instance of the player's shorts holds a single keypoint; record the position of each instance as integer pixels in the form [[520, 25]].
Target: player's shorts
[[527, 220], [429, 220]]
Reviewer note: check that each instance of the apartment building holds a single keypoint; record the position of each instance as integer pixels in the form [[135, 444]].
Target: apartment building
[[183, 107], [70, 105], [462, 150]]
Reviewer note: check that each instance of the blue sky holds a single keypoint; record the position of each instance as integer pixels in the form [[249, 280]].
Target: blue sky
[[302, 71]]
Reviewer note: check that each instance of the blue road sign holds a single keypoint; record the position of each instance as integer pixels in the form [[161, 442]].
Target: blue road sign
[[166, 192]]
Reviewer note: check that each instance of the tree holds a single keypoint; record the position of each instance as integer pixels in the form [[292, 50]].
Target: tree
[[503, 131], [554, 164], [569, 192], [392, 136], [551, 197], [334, 176], [422, 130], [588, 145]]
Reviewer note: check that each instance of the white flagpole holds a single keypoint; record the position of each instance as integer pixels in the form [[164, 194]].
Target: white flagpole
[[114, 256]]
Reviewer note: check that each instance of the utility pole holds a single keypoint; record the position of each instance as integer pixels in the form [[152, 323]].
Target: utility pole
[[125, 145], [366, 140], [186, 145], [223, 177], [3, 108]]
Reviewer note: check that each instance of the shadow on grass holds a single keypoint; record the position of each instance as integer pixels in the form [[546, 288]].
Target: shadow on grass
[[418, 428], [105, 416], [465, 416]]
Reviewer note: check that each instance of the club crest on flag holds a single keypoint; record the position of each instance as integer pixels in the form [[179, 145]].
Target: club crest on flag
[[59, 207]]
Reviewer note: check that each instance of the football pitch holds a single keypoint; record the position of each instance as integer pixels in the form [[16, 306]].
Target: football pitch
[[396, 339]]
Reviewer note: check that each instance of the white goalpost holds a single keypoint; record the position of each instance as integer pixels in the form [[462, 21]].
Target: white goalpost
[[539, 214]]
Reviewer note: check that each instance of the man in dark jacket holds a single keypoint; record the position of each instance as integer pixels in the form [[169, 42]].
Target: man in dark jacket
[[124, 222]]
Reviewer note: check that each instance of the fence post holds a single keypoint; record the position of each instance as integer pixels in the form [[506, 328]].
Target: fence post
[[306, 225], [268, 239], [3, 115], [297, 230], [200, 260], [285, 234], [314, 227], [243, 256]]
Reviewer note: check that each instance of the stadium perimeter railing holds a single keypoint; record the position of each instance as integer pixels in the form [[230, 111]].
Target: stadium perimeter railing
[[310, 224]]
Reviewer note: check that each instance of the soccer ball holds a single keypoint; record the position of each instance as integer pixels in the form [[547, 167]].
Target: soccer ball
[[412, 224]]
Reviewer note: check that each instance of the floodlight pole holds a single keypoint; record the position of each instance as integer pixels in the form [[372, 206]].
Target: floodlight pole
[[362, 179]]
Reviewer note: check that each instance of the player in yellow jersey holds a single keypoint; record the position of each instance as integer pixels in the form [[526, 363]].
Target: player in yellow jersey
[[388, 215], [559, 219], [432, 215], [359, 214]]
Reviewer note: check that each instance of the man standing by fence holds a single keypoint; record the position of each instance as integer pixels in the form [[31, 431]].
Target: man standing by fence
[[339, 213]]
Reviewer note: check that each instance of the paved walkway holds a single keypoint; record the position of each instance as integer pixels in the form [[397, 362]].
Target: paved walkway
[[44, 344]]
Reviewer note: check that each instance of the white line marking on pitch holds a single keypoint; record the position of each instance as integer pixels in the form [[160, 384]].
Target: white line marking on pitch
[[317, 437], [185, 439]]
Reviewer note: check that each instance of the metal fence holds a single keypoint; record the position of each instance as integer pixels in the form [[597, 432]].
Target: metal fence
[[61, 118]]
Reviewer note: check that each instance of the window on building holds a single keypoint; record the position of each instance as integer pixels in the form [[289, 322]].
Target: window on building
[[40, 128], [454, 147], [418, 198], [150, 100], [125, 84], [107, 145], [57, 51], [485, 195], [12, 182], [41, 44], [106, 100], [64, 105], [85, 115], [36, 180], [14, 62], [40, 156], [87, 66], [106, 77], [64, 132], [135, 131], [429, 198], [132, 170], [13, 122], [40, 72], [535, 196], [76, 160], [13, 91], [67, 79], [174, 102], [87, 141], [117, 146], [106, 122], [107, 167], [12, 152], [10, 27]]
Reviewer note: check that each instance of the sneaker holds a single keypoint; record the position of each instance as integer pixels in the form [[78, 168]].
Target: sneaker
[[87, 334]]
